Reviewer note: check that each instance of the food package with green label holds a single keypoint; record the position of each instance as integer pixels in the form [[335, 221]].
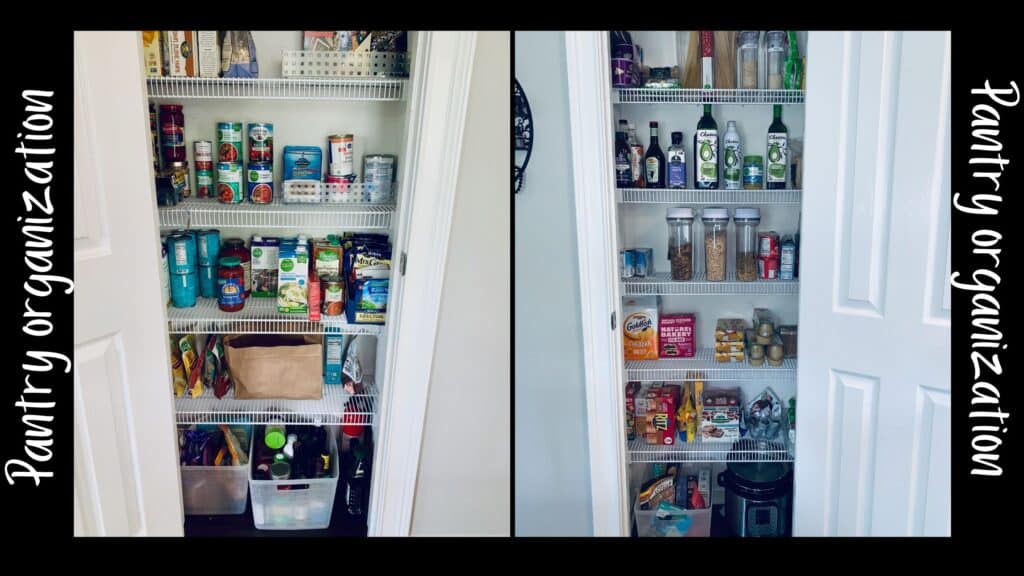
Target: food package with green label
[[293, 276]]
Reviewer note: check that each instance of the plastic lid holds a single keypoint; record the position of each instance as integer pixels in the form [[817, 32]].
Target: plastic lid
[[730, 124], [280, 470], [274, 438], [234, 241], [747, 214], [677, 137], [674, 213], [716, 214], [752, 159], [230, 261]]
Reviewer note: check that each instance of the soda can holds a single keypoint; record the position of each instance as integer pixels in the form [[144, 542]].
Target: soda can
[[627, 264], [229, 142], [261, 142], [339, 159], [181, 250], [260, 182], [208, 281], [184, 289], [640, 262], [208, 247]]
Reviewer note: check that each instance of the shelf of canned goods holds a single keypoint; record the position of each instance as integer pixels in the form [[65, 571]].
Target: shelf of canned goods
[[701, 96], [704, 367], [210, 213], [259, 316], [335, 407], [742, 450], [662, 284], [689, 197], [365, 89]]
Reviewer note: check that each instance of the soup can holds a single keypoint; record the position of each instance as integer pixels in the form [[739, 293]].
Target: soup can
[[184, 289], [229, 142], [333, 300], [340, 161], [203, 154], [181, 250], [209, 247], [260, 182], [229, 182], [208, 281], [204, 183], [379, 176], [261, 142]]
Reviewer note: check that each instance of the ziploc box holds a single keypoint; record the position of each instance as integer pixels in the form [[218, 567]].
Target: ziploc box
[[334, 345], [640, 328], [293, 276], [660, 417], [675, 336]]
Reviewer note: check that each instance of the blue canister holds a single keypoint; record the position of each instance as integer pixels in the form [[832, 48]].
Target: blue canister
[[181, 250], [184, 289], [627, 264], [209, 247], [208, 281], [302, 163], [641, 262]]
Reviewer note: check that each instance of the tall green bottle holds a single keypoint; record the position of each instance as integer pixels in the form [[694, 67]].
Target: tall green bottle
[[705, 152], [778, 152]]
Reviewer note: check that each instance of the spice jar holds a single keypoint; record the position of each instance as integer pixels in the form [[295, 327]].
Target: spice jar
[[788, 335], [716, 220], [236, 247], [753, 173], [746, 53], [680, 242], [746, 221], [776, 56], [229, 284]]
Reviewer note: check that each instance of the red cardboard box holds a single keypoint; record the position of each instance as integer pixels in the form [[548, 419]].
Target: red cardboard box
[[660, 417], [675, 336], [632, 428]]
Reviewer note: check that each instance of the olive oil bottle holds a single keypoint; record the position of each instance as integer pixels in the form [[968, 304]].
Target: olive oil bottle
[[705, 152], [778, 152]]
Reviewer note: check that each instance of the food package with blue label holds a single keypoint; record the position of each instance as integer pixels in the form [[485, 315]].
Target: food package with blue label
[[238, 55], [334, 346], [367, 271]]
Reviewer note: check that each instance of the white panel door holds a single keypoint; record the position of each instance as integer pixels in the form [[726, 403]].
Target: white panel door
[[873, 410], [126, 473]]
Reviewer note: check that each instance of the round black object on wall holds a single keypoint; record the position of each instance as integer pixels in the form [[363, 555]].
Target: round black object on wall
[[522, 135]]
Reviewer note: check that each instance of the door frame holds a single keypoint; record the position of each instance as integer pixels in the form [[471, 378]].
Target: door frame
[[590, 121], [438, 102]]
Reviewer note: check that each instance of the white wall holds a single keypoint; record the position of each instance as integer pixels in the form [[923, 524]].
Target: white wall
[[552, 463], [463, 486]]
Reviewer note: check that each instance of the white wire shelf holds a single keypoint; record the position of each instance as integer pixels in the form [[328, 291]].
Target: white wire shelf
[[708, 197], [210, 213], [260, 316], [208, 409], [701, 96], [704, 363], [742, 450], [363, 89], [662, 284]]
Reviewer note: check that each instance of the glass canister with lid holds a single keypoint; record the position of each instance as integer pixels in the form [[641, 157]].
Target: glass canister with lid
[[746, 221], [680, 243], [716, 222], [775, 47], [747, 52]]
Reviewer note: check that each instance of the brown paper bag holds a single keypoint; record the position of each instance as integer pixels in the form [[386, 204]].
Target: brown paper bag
[[282, 366]]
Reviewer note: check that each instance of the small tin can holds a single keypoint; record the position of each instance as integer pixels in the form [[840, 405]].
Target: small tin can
[[379, 176], [260, 182], [203, 154], [204, 183], [261, 142], [181, 250], [768, 244], [340, 162], [640, 262], [209, 247], [768, 267], [179, 178], [229, 182], [627, 264], [333, 300], [229, 142], [208, 281], [753, 172], [184, 289]]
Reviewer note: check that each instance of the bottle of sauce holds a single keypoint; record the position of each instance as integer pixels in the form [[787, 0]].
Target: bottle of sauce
[[676, 168], [705, 152], [236, 247], [636, 158], [778, 152], [623, 163], [654, 161], [230, 278]]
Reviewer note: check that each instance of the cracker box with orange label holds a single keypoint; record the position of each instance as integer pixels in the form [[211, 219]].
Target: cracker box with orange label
[[640, 328], [660, 418]]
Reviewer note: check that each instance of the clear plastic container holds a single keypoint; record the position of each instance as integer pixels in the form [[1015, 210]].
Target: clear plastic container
[[746, 221], [716, 222], [648, 525], [216, 490], [746, 54], [680, 243], [775, 45], [303, 504]]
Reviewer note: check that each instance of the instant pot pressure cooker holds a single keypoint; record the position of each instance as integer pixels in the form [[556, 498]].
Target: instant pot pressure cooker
[[758, 498]]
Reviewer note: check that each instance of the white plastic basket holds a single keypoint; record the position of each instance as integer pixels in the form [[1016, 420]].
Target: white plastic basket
[[311, 191], [304, 504], [329, 64]]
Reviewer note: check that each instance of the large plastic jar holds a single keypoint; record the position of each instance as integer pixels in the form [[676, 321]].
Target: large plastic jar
[[229, 284], [746, 221], [172, 133], [716, 223], [775, 44], [747, 54], [680, 243], [236, 247]]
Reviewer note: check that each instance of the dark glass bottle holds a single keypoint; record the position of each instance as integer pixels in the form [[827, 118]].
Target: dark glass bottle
[[705, 152], [356, 478], [623, 166], [654, 161], [778, 152]]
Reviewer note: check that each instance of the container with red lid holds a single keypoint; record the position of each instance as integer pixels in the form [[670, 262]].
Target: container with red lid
[[230, 280], [236, 247], [172, 133]]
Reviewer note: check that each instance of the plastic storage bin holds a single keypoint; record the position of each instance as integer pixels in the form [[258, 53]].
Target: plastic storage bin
[[216, 490], [647, 522], [304, 504]]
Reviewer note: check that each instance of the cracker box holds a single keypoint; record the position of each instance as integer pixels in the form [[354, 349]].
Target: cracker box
[[675, 336], [720, 415], [660, 417], [632, 391], [640, 328]]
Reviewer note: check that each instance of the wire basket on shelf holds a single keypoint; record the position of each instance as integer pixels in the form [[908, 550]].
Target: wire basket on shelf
[[328, 64]]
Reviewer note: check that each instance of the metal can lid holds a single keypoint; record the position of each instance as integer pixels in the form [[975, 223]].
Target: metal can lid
[[179, 164]]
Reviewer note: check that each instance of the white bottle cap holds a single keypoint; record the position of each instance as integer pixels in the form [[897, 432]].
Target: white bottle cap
[[674, 213], [716, 214], [747, 214]]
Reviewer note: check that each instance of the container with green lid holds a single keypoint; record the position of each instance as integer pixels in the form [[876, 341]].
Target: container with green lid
[[753, 172], [274, 436]]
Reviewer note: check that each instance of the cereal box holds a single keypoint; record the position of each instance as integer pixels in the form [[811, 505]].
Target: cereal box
[[640, 328], [675, 335], [660, 417]]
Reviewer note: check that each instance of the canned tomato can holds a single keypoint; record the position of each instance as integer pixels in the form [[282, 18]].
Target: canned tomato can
[[229, 182], [184, 289], [333, 300], [261, 142], [379, 176], [209, 247], [260, 182], [768, 267], [640, 262], [229, 142], [208, 281], [204, 183], [627, 264], [202, 154], [340, 149], [181, 250]]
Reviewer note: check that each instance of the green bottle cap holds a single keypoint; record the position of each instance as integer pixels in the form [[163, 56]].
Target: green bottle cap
[[274, 438]]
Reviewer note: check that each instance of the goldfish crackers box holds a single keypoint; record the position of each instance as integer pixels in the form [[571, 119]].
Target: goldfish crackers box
[[640, 328]]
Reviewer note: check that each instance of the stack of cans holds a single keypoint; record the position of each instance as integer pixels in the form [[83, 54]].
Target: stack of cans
[[182, 267], [636, 263]]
